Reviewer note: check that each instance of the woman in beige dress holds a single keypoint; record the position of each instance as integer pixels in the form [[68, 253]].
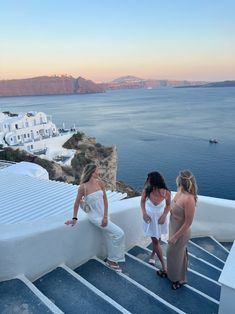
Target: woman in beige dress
[[182, 213]]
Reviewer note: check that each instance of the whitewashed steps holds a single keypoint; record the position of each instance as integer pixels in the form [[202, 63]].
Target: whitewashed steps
[[198, 264], [212, 246], [130, 295], [195, 280], [17, 297], [227, 245], [71, 295]]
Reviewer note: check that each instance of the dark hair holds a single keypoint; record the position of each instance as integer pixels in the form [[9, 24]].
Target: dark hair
[[154, 180]]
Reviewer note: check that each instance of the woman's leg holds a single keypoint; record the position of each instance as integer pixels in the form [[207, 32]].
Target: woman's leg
[[153, 249], [158, 251], [115, 240]]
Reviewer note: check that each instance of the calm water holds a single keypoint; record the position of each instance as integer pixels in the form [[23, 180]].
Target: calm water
[[163, 129]]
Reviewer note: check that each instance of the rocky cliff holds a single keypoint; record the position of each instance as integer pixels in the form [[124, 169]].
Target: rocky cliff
[[87, 150], [48, 85]]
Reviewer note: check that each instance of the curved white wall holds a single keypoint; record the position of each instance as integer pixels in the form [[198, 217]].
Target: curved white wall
[[34, 248], [216, 217]]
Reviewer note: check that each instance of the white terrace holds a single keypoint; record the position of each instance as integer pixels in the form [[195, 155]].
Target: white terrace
[[35, 244]]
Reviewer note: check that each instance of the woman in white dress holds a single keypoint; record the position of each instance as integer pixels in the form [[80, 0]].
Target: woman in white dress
[[93, 189], [155, 205]]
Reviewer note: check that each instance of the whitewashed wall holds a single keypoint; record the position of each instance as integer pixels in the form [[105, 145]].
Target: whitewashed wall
[[37, 247]]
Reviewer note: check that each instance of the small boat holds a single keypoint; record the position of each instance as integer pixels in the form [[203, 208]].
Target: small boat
[[213, 141]]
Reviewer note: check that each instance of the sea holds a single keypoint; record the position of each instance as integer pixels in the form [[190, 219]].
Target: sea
[[163, 129]]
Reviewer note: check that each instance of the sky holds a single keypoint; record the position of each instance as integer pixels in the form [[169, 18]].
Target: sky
[[105, 39]]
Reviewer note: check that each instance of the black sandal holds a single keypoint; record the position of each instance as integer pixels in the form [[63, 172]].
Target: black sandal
[[176, 285], [162, 273]]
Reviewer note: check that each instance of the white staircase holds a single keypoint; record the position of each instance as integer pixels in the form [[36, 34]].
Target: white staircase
[[94, 288]]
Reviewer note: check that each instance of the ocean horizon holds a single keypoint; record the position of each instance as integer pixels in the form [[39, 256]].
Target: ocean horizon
[[164, 129]]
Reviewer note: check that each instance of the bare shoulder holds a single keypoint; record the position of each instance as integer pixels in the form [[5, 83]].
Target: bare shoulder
[[143, 191], [189, 200], [82, 187], [168, 194], [143, 194]]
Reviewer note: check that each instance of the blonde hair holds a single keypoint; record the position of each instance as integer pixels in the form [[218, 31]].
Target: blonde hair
[[187, 182], [87, 172]]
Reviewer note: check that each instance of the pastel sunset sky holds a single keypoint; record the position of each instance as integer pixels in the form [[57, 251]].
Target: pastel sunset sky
[[105, 39]]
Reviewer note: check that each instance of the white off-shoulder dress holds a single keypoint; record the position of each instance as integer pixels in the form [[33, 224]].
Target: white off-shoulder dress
[[154, 229]]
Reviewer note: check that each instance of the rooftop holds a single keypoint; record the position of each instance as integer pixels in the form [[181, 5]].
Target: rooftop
[[26, 199]]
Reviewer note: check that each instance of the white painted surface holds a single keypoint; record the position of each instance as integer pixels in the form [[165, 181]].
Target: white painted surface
[[227, 280], [37, 247], [27, 168], [26, 199], [215, 217], [34, 239]]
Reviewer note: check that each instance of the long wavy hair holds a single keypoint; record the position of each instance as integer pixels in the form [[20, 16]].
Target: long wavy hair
[[154, 181], [186, 181], [87, 172]]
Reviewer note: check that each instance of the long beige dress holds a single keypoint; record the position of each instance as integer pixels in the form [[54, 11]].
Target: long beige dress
[[177, 257]]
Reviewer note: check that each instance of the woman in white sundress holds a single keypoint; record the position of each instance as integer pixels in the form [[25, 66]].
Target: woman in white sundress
[[94, 191], [155, 205]]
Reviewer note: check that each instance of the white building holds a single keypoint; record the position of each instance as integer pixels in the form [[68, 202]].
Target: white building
[[26, 130]]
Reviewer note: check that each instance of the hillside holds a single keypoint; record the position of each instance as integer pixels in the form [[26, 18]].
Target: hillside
[[48, 85], [126, 82]]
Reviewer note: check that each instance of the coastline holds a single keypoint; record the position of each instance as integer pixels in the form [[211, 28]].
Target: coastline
[[84, 150]]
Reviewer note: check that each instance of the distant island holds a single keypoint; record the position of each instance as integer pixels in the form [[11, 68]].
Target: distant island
[[129, 81], [213, 84], [66, 84], [48, 85]]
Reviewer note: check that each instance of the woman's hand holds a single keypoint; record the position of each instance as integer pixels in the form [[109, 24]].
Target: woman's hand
[[104, 221], [146, 217], [172, 240], [161, 219], [71, 222]]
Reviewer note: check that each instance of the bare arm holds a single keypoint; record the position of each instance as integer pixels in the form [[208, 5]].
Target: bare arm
[[142, 205], [167, 208], [189, 209], [105, 218], [80, 194]]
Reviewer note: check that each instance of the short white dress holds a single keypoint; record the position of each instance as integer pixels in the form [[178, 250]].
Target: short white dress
[[154, 229]]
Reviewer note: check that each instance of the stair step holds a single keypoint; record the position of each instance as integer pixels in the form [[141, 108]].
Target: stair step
[[70, 295], [120, 289], [146, 276], [194, 280], [227, 245], [199, 253], [212, 246], [17, 297], [197, 264]]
